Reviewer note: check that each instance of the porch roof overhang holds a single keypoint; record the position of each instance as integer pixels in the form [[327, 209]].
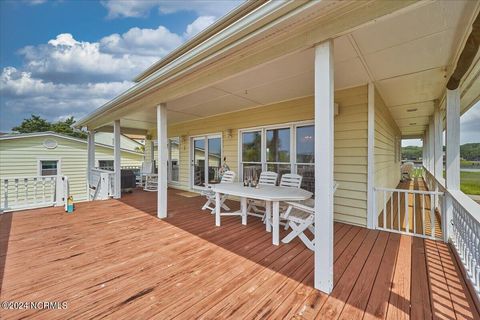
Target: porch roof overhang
[[407, 49]]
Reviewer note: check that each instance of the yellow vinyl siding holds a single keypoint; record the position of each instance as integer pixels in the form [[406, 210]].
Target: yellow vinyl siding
[[350, 156], [19, 158], [387, 168]]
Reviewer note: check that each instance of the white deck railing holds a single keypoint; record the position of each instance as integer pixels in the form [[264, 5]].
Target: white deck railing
[[411, 212], [101, 184], [465, 234], [30, 192], [461, 228]]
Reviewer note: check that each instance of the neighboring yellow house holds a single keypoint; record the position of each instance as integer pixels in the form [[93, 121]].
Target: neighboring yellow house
[[48, 153]]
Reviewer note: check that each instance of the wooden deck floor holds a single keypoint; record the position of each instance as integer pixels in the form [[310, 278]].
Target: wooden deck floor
[[115, 260]]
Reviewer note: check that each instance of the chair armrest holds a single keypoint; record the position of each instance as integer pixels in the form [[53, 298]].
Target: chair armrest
[[299, 206]]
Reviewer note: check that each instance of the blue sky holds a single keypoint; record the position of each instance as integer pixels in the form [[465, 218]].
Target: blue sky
[[63, 58]]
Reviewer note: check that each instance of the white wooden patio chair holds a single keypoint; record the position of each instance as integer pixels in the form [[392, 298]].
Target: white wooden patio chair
[[257, 207], [300, 216], [228, 177], [145, 168]]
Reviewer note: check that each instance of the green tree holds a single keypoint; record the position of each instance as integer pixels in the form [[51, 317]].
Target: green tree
[[37, 124]]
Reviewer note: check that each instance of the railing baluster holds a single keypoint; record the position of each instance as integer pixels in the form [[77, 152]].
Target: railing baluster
[[432, 215], [16, 192], [423, 215], [44, 194], [414, 213], [407, 216], [5, 186], [391, 210], [25, 183], [384, 210], [35, 189], [398, 212]]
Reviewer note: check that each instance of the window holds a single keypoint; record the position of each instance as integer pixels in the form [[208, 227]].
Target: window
[[106, 165], [48, 167], [282, 149], [173, 158], [305, 155], [251, 154]]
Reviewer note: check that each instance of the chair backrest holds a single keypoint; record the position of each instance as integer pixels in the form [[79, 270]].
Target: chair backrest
[[291, 180], [147, 167], [228, 177], [268, 178]]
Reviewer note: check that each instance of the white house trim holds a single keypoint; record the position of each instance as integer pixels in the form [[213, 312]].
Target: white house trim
[[117, 162]]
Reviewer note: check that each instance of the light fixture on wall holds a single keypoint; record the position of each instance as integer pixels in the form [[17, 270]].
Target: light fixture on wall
[[229, 133]]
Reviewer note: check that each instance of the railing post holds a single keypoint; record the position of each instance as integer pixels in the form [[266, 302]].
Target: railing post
[[5, 187], [59, 191]]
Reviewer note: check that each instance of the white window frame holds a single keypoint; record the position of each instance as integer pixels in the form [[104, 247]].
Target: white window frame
[[263, 130], [39, 165]]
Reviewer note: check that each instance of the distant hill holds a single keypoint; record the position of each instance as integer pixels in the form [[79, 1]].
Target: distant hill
[[468, 151]]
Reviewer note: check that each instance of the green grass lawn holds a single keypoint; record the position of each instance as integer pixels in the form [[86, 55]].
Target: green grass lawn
[[470, 182]]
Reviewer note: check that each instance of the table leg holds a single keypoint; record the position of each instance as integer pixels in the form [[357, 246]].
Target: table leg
[[218, 205], [276, 223], [243, 204], [268, 216]]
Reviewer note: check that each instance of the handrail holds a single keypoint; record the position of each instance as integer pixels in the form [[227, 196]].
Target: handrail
[[427, 192]]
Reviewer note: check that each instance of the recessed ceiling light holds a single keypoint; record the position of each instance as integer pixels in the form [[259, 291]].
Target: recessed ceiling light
[[412, 110]]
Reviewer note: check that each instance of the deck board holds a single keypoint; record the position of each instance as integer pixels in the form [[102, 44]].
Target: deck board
[[115, 259]]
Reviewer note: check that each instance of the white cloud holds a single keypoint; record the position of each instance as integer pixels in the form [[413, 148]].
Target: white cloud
[[200, 24], [131, 8], [27, 95], [35, 2]]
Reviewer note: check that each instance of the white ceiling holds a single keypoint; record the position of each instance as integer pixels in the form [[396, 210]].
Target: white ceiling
[[406, 56]]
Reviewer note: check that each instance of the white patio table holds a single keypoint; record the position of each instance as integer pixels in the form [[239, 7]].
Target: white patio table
[[272, 195]]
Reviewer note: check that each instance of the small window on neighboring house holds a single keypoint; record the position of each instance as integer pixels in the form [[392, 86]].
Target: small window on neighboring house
[[106, 164], [48, 167]]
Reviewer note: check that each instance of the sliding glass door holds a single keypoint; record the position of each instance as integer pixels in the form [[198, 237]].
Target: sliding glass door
[[206, 155]]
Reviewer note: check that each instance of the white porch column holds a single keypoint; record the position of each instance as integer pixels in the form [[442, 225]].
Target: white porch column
[[162, 160], [371, 157], [431, 147], [117, 159], [324, 115], [438, 132], [452, 143], [452, 140], [90, 158], [425, 146]]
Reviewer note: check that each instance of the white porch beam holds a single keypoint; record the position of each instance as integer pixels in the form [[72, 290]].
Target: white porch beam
[[117, 159], [162, 160], [324, 115], [452, 140], [371, 157], [90, 158], [438, 137]]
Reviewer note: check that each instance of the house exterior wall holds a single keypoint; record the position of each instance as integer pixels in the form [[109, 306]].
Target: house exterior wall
[[350, 168], [387, 150], [19, 158]]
